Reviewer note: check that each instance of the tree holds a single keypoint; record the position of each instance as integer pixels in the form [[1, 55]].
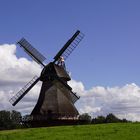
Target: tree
[[9, 120], [85, 118], [16, 119], [124, 120], [5, 120], [99, 119], [111, 118]]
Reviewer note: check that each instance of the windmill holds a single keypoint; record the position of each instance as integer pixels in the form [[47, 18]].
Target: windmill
[[56, 99]]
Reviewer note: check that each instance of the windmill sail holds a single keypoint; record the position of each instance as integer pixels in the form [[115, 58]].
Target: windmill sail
[[16, 98], [74, 97], [69, 46], [31, 51]]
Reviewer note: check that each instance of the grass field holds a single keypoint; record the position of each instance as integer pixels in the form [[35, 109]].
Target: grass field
[[117, 131]]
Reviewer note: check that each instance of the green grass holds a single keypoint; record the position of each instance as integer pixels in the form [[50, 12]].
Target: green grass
[[117, 131]]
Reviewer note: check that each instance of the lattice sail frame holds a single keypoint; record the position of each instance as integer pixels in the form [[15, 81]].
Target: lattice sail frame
[[30, 50], [70, 45], [73, 95], [73, 45], [17, 97]]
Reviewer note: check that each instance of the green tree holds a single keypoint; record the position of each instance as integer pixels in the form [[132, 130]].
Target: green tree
[[99, 119], [111, 118], [16, 119], [5, 120], [9, 120], [85, 118]]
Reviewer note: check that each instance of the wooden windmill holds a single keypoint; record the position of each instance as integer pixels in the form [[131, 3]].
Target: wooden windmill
[[56, 99]]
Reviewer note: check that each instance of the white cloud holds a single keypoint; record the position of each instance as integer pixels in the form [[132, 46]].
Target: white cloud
[[15, 69], [16, 72], [123, 101]]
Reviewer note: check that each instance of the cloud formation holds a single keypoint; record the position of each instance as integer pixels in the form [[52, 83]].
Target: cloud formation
[[15, 72], [123, 101]]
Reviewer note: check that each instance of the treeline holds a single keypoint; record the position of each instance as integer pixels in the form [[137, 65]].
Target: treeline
[[110, 118], [13, 119]]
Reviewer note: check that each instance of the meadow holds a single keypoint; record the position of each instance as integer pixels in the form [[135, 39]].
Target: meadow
[[116, 131]]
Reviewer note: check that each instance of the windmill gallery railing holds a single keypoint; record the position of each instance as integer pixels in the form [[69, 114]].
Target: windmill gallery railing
[[53, 117]]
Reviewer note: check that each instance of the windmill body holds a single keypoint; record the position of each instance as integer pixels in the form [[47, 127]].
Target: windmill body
[[56, 99]]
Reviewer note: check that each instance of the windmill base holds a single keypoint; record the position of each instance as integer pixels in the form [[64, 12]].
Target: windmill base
[[52, 122]]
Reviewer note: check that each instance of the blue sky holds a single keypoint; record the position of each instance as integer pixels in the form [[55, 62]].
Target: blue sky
[[109, 53]]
